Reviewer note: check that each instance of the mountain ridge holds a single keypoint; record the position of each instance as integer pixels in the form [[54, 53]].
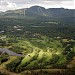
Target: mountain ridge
[[41, 13]]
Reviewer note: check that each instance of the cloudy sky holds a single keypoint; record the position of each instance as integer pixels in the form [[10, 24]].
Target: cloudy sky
[[17, 4]]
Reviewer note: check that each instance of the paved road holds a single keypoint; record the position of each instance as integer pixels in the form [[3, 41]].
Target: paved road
[[11, 53]]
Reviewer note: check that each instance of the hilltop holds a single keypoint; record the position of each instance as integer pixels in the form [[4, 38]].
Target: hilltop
[[41, 13]]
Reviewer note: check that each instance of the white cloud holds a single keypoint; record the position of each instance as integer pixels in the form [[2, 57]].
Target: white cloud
[[13, 4], [58, 3], [6, 5], [68, 4]]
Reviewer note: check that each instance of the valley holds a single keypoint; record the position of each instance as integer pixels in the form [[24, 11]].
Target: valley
[[39, 43]]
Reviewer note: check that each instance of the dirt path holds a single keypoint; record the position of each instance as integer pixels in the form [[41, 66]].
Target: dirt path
[[3, 68], [71, 63], [7, 72]]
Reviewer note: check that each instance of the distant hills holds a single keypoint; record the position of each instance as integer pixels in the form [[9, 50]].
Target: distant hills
[[0, 11], [41, 13]]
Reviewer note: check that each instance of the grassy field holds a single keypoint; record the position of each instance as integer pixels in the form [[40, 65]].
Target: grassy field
[[40, 55]]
